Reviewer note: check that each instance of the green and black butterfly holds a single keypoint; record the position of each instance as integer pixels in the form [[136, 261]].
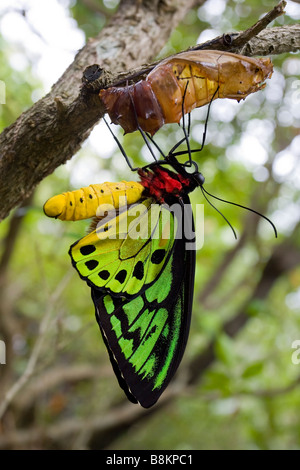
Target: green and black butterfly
[[140, 272]]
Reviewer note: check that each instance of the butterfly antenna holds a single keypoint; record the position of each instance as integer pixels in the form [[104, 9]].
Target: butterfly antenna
[[209, 202], [120, 146], [140, 129], [243, 207]]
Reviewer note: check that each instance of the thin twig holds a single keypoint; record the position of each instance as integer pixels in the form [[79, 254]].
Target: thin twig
[[58, 375], [261, 24], [272, 393]]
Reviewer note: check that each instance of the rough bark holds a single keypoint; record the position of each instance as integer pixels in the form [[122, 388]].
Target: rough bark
[[52, 130]]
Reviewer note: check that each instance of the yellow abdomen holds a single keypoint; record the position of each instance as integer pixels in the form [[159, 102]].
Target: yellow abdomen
[[84, 203]]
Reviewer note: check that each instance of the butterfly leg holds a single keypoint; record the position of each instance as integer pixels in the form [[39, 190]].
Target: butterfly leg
[[206, 120], [187, 133], [144, 136], [120, 147]]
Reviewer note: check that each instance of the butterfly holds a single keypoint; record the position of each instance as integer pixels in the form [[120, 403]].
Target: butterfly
[[139, 269]]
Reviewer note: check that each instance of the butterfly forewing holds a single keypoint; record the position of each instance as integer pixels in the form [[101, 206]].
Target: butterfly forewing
[[127, 253]]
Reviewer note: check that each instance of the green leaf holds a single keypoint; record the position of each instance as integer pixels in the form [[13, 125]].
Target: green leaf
[[218, 380], [252, 370], [224, 349]]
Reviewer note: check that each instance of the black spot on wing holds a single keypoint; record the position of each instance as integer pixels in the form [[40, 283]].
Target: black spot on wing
[[91, 264], [87, 250], [121, 276], [104, 274], [138, 271], [158, 256]]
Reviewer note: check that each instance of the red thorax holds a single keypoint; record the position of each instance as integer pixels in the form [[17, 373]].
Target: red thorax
[[160, 183]]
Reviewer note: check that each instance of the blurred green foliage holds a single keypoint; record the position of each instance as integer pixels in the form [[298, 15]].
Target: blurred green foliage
[[19, 84], [233, 393]]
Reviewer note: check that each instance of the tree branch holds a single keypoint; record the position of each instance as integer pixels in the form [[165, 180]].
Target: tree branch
[[57, 376], [277, 40], [232, 42], [52, 130], [250, 33]]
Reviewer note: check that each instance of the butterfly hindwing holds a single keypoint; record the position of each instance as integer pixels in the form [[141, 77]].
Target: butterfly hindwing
[[146, 335]]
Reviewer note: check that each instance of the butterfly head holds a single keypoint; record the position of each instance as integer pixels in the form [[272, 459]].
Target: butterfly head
[[198, 178]]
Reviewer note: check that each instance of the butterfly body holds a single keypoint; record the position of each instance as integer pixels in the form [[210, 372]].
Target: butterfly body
[[163, 185]]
